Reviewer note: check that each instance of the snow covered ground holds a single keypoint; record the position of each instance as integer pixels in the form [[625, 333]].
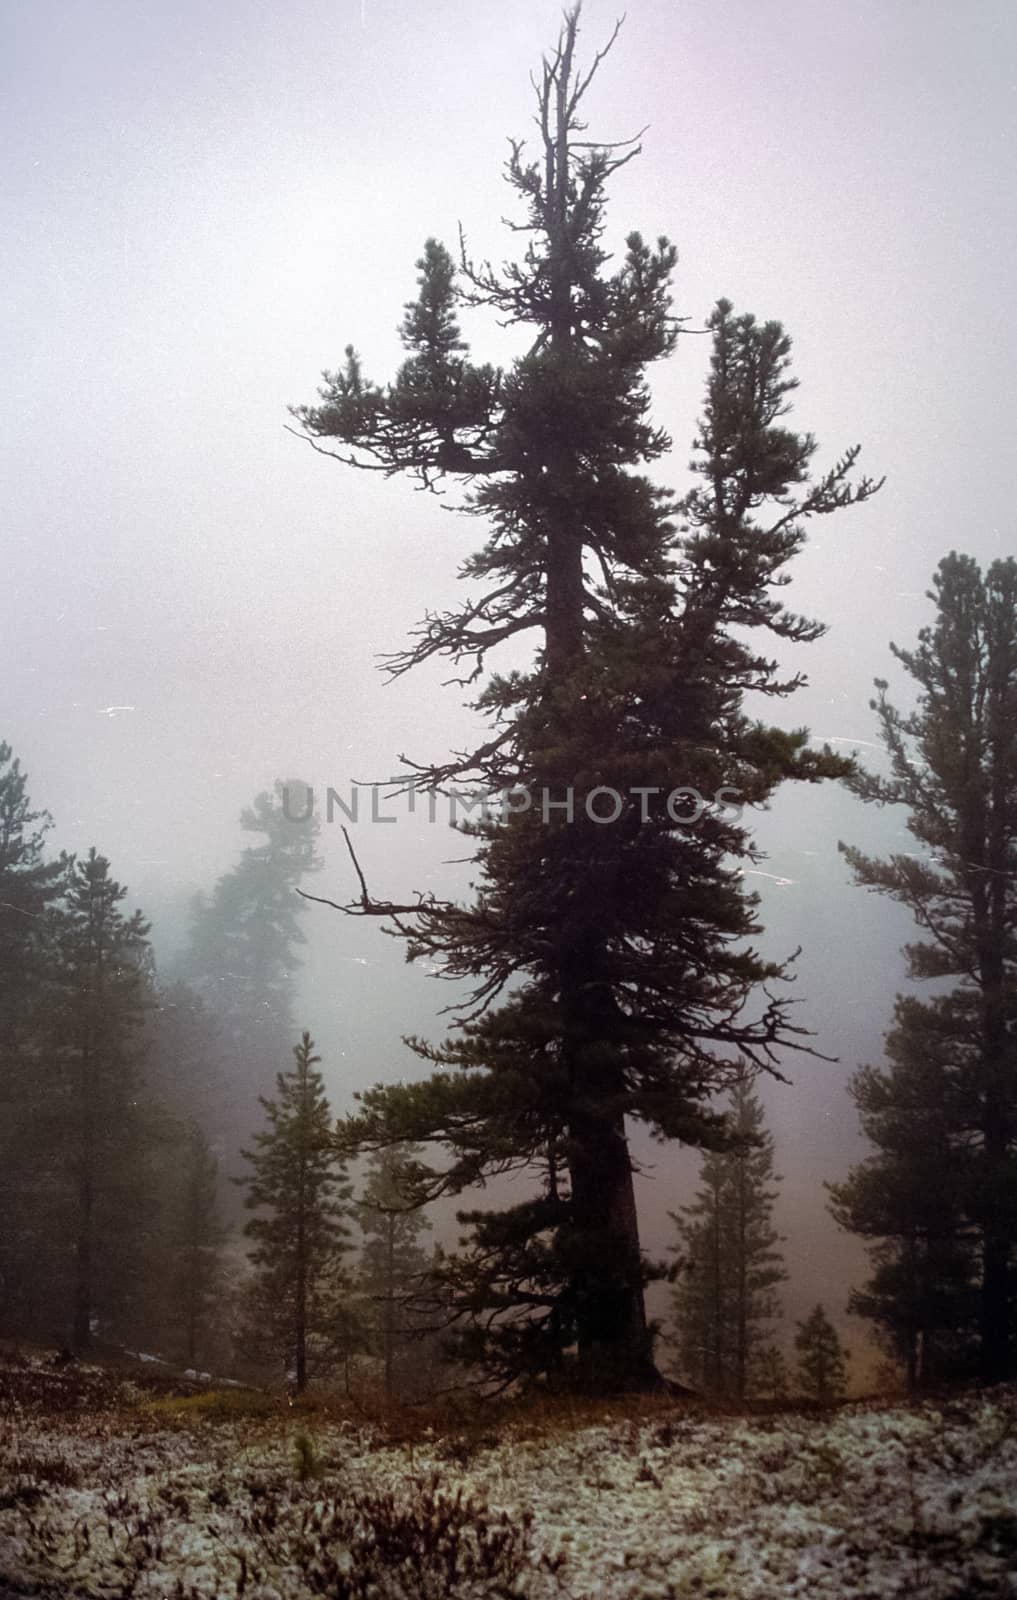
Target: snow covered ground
[[105, 1494]]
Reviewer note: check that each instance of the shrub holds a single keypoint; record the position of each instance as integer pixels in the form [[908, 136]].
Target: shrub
[[426, 1545]]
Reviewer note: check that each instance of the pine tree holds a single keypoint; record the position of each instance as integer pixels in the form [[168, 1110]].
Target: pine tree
[[297, 1191], [770, 1378], [730, 1260], [29, 885], [612, 965], [908, 1199], [393, 1263], [822, 1363], [91, 1110], [953, 764]]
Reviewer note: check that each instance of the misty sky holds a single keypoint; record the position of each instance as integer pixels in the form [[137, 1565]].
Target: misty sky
[[204, 204]]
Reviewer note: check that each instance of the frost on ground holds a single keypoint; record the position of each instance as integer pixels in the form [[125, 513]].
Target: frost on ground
[[108, 1490]]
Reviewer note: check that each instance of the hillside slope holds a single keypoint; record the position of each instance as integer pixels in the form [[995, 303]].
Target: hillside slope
[[109, 1489]]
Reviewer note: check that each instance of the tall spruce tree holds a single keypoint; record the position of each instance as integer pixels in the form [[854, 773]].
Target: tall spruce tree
[[611, 960], [297, 1191], [91, 1112], [822, 1363], [953, 764], [730, 1258]]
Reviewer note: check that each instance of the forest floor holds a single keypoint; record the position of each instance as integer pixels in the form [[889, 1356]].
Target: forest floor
[[116, 1485]]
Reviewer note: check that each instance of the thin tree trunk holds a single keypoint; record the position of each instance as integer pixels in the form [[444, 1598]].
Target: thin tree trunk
[[388, 1332], [717, 1375], [300, 1329], [82, 1320]]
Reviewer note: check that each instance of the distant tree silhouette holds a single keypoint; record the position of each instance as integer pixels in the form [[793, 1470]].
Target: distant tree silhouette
[[822, 1364], [729, 1252], [770, 1376], [241, 963]]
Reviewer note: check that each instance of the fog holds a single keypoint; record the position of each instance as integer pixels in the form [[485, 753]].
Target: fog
[[205, 204]]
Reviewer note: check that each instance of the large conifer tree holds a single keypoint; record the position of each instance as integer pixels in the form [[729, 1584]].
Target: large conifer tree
[[611, 962], [953, 764]]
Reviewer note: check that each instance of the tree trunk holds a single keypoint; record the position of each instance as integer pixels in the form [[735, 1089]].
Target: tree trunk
[[607, 1285], [82, 1335], [741, 1358], [82, 1322], [995, 1296], [717, 1349], [613, 1341], [300, 1318]]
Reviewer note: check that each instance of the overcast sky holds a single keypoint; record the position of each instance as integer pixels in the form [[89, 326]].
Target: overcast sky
[[204, 204]]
